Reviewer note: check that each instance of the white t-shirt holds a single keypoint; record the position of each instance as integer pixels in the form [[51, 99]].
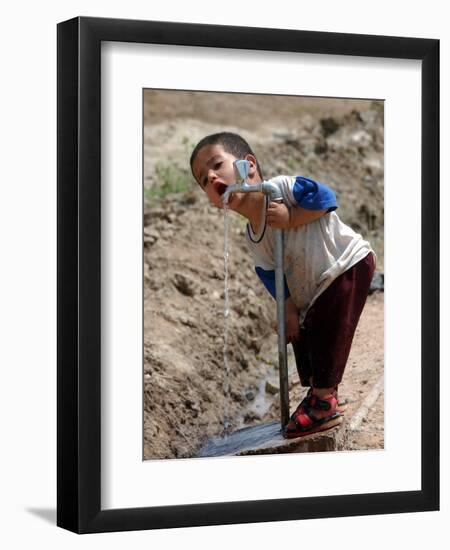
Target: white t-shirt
[[315, 254]]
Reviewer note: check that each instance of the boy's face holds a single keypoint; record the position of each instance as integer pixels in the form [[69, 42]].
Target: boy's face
[[213, 170]]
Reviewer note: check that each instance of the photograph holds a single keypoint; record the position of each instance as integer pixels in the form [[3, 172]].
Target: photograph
[[217, 381]]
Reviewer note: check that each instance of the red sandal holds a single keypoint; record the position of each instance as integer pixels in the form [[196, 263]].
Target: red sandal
[[305, 421], [341, 407]]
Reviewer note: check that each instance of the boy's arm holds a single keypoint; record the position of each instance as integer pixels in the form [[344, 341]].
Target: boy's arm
[[299, 216], [292, 321], [279, 216], [311, 201], [312, 195], [305, 201]]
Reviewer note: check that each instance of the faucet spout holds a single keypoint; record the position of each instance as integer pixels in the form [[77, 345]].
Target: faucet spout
[[266, 187], [241, 169], [240, 188]]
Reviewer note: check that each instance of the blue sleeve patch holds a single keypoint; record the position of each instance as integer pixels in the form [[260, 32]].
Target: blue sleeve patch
[[313, 196], [268, 279]]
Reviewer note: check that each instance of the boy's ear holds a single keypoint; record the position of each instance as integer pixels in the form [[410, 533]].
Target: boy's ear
[[253, 164]]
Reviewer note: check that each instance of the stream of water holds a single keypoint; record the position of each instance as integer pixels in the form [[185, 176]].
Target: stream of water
[[226, 314]]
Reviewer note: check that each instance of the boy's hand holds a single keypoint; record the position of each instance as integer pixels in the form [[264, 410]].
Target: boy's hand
[[278, 215], [292, 321]]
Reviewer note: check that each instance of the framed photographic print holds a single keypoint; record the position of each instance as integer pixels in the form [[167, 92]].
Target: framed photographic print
[[172, 397]]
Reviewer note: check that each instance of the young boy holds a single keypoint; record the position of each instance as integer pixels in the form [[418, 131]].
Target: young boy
[[328, 269]]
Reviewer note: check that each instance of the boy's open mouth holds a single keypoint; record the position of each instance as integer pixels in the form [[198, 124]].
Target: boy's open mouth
[[221, 188]]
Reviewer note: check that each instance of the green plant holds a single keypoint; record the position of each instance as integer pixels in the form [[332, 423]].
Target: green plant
[[173, 180]]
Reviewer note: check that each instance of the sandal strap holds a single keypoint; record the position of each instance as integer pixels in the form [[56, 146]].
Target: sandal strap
[[303, 403], [306, 411], [311, 401], [320, 404], [314, 421]]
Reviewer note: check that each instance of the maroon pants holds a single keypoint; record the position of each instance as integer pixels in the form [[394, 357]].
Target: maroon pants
[[326, 336]]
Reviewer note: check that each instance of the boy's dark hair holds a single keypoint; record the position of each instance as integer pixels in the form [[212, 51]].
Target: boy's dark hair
[[232, 143]]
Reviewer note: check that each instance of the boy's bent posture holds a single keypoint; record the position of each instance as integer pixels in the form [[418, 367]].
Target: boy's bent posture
[[328, 269]]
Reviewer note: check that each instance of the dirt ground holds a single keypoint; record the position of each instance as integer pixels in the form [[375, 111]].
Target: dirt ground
[[185, 387]]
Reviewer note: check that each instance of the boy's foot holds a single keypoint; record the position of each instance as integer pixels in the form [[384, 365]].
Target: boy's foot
[[342, 403], [313, 415]]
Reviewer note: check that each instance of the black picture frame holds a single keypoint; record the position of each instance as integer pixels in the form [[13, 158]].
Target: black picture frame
[[79, 275]]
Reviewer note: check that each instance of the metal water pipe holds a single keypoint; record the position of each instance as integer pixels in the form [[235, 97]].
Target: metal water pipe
[[241, 169]]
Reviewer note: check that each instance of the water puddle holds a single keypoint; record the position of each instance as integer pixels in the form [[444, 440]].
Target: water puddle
[[246, 440], [267, 392], [263, 400]]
